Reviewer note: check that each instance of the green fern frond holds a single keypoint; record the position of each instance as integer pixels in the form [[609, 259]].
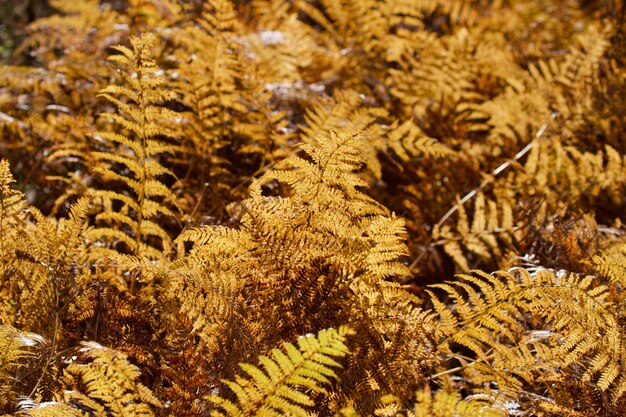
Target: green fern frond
[[281, 386]]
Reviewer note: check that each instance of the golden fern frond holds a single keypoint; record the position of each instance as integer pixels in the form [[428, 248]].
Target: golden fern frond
[[579, 66], [360, 23], [549, 409], [208, 283], [525, 326], [355, 31], [329, 178], [436, 73], [12, 200], [325, 115], [16, 348], [326, 190], [284, 382], [267, 12], [492, 226], [395, 346], [612, 264], [283, 45], [79, 19], [586, 176], [133, 157], [102, 380], [348, 111], [407, 140], [38, 257], [229, 116], [456, 12], [12, 219], [51, 253], [212, 75], [388, 246], [441, 403]]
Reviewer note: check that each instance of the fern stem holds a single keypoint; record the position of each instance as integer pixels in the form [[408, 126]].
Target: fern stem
[[473, 362]]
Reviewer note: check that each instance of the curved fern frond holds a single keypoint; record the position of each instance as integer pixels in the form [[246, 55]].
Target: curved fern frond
[[280, 387], [523, 324]]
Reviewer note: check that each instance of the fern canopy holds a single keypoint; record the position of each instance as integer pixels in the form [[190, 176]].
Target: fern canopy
[[186, 185]]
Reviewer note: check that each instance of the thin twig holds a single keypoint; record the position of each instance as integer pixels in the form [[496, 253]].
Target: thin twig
[[496, 172]]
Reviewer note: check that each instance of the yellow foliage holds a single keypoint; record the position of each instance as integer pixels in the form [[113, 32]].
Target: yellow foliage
[[188, 185]]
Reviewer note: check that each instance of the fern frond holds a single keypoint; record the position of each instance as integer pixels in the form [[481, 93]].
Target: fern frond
[[387, 247], [50, 253], [12, 219], [492, 227], [612, 265], [521, 326], [441, 403], [231, 127], [80, 19], [330, 174], [281, 385], [283, 45], [15, 346], [103, 380], [408, 141], [586, 176], [137, 149], [211, 305], [11, 199], [18, 352]]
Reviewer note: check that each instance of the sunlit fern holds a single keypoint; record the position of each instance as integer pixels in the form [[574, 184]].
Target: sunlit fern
[[133, 155], [284, 385], [522, 327]]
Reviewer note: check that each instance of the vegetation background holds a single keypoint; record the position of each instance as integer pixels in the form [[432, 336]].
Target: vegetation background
[[312, 207]]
